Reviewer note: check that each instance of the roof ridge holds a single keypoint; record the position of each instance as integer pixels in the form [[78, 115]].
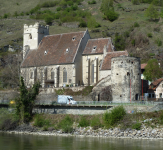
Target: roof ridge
[[64, 33]]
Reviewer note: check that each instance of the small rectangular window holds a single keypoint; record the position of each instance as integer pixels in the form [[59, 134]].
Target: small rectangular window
[[153, 95], [160, 95]]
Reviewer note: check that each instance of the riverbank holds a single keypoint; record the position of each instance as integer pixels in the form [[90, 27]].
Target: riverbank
[[144, 133]]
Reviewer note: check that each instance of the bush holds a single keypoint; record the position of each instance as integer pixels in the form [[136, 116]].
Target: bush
[[58, 8], [151, 54], [111, 15], [40, 121], [161, 118], [116, 114], [49, 4], [92, 2], [119, 42], [133, 42], [136, 126], [126, 34], [136, 24], [7, 121], [149, 35], [82, 24], [83, 122], [48, 19], [66, 124], [158, 42], [92, 23], [95, 123], [136, 2]]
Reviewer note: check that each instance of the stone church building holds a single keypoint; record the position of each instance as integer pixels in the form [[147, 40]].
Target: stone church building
[[65, 59]]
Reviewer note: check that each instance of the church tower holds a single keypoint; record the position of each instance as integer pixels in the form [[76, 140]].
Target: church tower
[[33, 35]]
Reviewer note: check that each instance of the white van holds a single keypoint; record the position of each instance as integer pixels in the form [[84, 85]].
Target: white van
[[65, 99]]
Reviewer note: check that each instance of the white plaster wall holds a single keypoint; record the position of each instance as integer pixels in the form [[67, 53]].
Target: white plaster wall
[[85, 66], [104, 73], [159, 90], [78, 58], [37, 32]]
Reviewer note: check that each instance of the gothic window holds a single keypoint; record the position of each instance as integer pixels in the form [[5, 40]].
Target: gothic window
[[52, 75], [64, 75], [92, 72], [41, 75], [31, 75]]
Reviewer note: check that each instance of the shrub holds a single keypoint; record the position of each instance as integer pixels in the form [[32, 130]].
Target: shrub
[[66, 124], [95, 123], [116, 114], [111, 15], [136, 126], [119, 42], [151, 54], [92, 2], [92, 23], [149, 35], [7, 121], [158, 42], [82, 24], [83, 122], [48, 19], [133, 42], [161, 118], [136, 24], [40, 121], [5, 16], [126, 34], [136, 2], [58, 8], [49, 4]]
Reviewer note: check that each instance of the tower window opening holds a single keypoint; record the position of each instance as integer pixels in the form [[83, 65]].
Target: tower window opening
[[128, 73]]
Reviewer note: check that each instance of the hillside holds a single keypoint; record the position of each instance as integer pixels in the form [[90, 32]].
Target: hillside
[[132, 30]]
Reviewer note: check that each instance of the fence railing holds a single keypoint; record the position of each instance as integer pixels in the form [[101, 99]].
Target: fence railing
[[100, 103]]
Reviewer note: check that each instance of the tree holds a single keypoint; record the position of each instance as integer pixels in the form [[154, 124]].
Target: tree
[[151, 12], [10, 69], [25, 102], [152, 70]]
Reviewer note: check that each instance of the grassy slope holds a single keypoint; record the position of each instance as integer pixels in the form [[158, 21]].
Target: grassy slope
[[12, 28]]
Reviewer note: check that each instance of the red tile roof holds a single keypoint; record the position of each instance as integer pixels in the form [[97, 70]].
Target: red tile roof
[[99, 45], [55, 46], [155, 84], [106, 65], [143, 66]]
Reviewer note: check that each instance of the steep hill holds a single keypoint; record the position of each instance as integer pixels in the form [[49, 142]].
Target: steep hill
[[140, 36]]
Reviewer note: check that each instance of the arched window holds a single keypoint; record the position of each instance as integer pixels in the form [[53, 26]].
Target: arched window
[[52, 75], [64, 75], [92, 72]]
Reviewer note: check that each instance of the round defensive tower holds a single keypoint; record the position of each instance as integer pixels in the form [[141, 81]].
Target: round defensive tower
[[125, 78]]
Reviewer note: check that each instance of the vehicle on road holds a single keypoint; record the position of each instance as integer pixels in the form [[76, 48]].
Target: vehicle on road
[[66, 99]]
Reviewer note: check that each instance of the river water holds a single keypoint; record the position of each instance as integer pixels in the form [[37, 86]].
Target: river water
[[34, 142]]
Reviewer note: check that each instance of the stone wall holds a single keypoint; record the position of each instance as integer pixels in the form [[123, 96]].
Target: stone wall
[[69, 110], [126, 78]]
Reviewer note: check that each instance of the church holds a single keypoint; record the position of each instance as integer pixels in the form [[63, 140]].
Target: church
[[67, 59]]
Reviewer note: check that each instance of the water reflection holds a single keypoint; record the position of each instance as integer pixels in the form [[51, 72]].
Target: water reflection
[[33, 142]]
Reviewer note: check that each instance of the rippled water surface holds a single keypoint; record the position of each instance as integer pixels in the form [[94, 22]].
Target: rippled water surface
[[34, 142]]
